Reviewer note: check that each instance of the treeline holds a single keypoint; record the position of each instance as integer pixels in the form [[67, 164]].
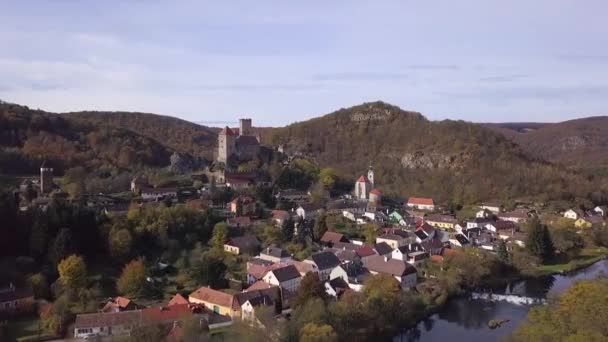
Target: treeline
[[28, 136]]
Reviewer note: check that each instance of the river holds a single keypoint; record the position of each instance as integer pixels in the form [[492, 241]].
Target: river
[[464, 319]]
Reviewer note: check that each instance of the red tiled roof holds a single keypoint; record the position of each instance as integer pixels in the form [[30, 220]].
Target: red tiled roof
[[364, 251], [227, 131], [376, 191], [207, 294], [122, 302], [177, 300], [166, 314], [420, 201], [332, 237], [259, 285], [362, 179]]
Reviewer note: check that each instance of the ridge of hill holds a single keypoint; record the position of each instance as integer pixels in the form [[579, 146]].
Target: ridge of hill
[[578, 144], [450, 160]]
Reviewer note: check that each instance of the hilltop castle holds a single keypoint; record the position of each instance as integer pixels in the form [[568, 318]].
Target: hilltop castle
[[239, 143]]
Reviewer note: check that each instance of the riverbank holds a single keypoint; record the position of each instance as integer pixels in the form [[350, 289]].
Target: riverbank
[[584, 259]]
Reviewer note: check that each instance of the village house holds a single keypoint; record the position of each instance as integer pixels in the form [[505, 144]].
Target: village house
[[396, 217], [421, 203], [324, 262], [574, 214], [293, 196], [395, 238], [246, 244], [248, 309], [405, 273], [15, 301], [352, 274], [459, 240], [217, 301], [287, 278], [240, 222], [516, 216], [413, 254], [257, 269], [238, 183], [601, 210], [424, 231], [119, 304], [484, 213], [491, 206], [364, 252], [442, 221], [308, 211], [479, 223], [383, 249], [158, 194], [279, 216], [330, 238], [178, 299], [501, 225], [243, 203], [274, 254]]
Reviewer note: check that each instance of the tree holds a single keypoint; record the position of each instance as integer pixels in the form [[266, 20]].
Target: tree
[[73, 272], [39, 285], [320, 226], [120, 243], [56, 319], [209, 269], [566, 239], [328, 178], [310, 287], [539, 242], [318, 333], [133, 279], [63, 245], [220, 235], [578, 314], [525, 263], [287, 230], [502, 253], [193, 330], [370, 232]]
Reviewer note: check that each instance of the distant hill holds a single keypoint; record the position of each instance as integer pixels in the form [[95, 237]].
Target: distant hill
[[580, 144], [180, 135], [27, 137], [451, 160]]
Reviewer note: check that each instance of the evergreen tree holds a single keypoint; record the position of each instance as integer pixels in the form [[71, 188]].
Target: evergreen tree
[[287, 230], [539, 241], [502, 253], [62, 246]]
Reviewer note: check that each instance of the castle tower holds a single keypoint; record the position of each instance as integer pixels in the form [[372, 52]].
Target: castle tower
[[370, 176], [362, 188], [46, 178], [245, 127], [225, 144]]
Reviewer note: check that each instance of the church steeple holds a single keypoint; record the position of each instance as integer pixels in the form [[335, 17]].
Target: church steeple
[[370, 175]]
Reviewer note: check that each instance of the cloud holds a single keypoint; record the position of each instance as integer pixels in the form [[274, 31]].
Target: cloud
[[589, 59], [503, 78], [433, 67], [256, 87], [360, 76]]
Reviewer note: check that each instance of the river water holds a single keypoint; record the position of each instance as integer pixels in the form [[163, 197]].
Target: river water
[[465, 319]]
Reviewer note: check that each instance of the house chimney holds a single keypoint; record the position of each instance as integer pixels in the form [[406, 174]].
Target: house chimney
[[385, 258]]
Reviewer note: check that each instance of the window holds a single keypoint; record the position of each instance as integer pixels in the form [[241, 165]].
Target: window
[[216, 309]]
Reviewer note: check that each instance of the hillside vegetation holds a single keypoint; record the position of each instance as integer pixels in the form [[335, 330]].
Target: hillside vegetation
[[179, 135], [580, 144], [27, 137], [449, 160]]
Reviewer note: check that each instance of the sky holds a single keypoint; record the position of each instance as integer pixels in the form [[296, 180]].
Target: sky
[[284, 61]]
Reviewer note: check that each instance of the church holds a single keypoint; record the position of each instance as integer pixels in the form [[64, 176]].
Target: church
[[364, 188], [239, 143]]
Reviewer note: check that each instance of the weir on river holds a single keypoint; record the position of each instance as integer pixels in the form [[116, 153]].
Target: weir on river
[[513, 299]]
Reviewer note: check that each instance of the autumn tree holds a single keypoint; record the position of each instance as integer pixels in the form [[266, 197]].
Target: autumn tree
[[578, 314], [209, 269], [318, 333], [501, 253], [220, 235], [120, 243], [310, 287], [133, 279], [73, 272]]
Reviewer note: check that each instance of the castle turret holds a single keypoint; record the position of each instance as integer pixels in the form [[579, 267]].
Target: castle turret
[[245, 127], [225, 144], [46, 178]]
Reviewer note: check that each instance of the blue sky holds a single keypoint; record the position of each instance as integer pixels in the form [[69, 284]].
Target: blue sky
[[285, 61]]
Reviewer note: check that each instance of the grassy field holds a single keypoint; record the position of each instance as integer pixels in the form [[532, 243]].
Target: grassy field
[[26, 329], [585, 258]]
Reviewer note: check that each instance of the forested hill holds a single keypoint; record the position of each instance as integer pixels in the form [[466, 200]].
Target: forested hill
[[581, 143], [180, 135], [449, 160], [27, 137]]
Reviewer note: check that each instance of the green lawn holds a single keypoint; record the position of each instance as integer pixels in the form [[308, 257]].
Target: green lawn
[[26, 330], [585, 258]]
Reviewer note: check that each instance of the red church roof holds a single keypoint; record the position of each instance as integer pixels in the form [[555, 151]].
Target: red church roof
[[362, 179], [421, 201], [227, 131]]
